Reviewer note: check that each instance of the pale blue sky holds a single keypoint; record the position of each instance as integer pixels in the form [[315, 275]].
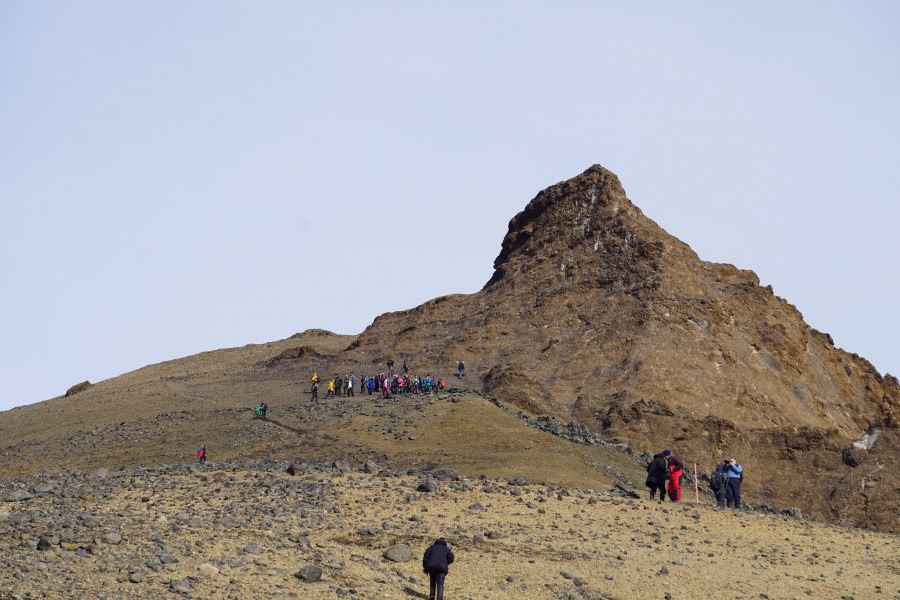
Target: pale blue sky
[[184, 176]]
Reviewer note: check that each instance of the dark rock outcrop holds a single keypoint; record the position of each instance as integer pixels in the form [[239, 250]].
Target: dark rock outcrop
[[78, 387]]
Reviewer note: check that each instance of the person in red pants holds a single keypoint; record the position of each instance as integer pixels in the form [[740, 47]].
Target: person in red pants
[[676, 470]]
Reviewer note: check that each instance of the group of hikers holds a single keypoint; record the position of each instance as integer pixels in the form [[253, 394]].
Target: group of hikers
[[387, 384], [665, 471]]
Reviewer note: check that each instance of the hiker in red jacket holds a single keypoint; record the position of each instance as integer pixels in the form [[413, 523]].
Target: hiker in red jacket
[[676, 470]]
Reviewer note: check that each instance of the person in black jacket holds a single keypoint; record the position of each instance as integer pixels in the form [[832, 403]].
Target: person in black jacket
[[657, 473], [436, 563]]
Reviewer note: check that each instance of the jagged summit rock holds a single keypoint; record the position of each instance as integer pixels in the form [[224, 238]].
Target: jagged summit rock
[[586, 231]]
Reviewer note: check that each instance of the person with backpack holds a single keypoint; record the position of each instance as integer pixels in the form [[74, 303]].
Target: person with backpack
[[657, 474], [718, 481], [461, 369], [676, 470], [735, 474], [436, 564], [201, 454], [261, 410]]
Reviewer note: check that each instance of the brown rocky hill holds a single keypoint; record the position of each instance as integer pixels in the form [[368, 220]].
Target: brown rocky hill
[[594, 315]]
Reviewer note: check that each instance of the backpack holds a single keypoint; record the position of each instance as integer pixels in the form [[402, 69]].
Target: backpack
[[718, 480]]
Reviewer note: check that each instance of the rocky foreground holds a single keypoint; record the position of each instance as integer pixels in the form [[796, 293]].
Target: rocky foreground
[[247, 530]]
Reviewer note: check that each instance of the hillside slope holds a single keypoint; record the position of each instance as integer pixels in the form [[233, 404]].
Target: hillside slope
[[594, 315]]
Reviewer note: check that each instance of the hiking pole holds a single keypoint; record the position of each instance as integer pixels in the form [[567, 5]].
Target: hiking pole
[[696, 486]]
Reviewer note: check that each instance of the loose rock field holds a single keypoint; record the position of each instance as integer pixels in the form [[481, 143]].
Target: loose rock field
[[248, 530]]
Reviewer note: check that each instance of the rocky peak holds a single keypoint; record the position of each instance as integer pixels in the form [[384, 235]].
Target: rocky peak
[[587, 232]]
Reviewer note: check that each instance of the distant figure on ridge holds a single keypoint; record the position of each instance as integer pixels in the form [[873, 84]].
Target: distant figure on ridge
[[676, 470], [436, 563], [329, 391], [261, 410], [201, 454], [657, 474], [733, 488], [461, 369]]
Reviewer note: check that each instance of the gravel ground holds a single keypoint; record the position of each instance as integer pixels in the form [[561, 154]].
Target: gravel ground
[[248, 530]]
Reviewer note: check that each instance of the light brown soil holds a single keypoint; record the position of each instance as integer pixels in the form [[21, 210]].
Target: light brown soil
[[548, 543]]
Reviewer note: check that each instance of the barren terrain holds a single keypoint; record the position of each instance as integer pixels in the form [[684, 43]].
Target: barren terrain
[[230, 530], [599, 340]]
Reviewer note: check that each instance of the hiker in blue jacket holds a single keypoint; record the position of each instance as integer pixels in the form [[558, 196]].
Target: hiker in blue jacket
[[733, 487]]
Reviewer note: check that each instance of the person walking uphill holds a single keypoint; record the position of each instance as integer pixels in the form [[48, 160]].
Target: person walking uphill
[[436, 563], [657, 474], [733, 487]]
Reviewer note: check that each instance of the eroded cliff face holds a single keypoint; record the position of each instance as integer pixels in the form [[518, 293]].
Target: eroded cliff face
[[597, 314]]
